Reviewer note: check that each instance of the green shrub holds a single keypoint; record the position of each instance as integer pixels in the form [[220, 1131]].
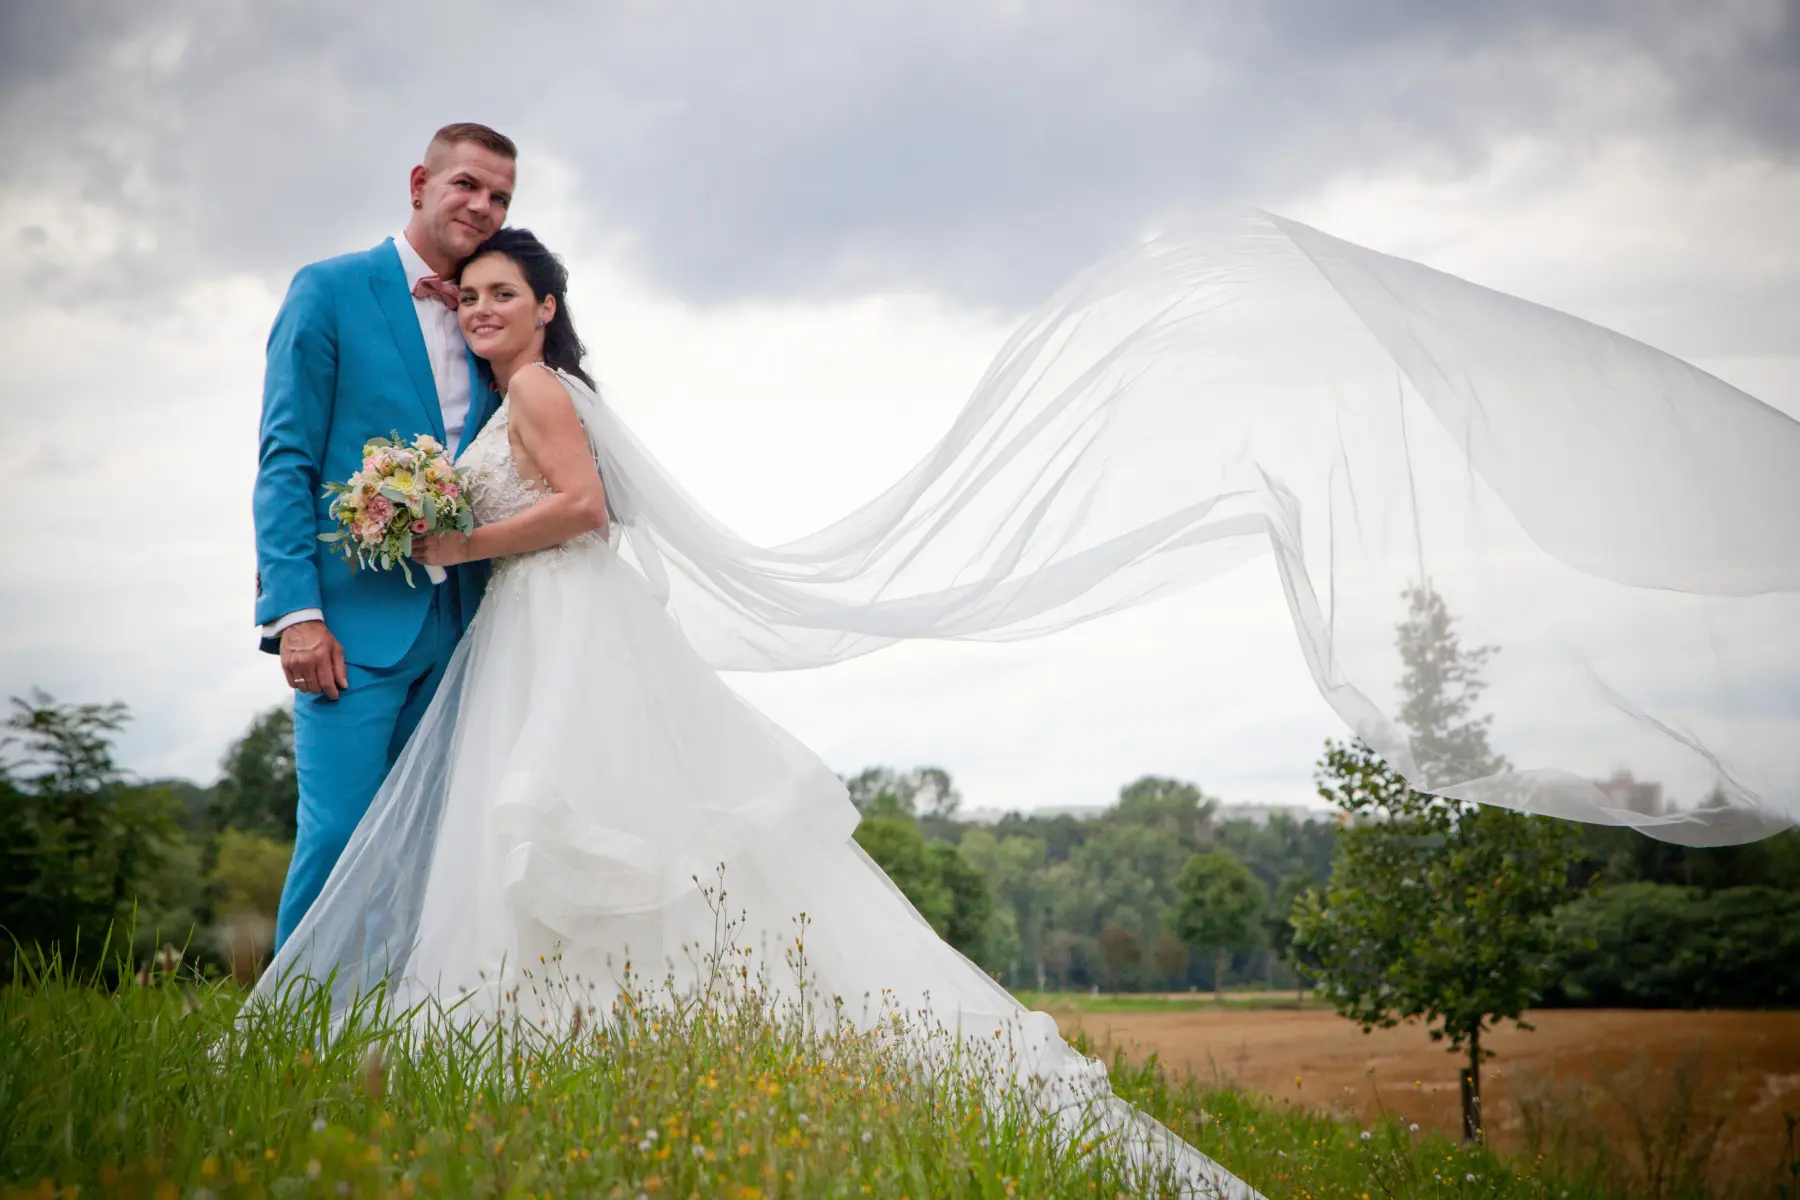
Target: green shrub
[[1650, 945]]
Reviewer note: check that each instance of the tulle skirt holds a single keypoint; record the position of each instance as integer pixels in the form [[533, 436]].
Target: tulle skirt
[[580, 792]]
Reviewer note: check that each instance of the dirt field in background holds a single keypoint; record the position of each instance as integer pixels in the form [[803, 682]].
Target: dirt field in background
[[1580, 1066]]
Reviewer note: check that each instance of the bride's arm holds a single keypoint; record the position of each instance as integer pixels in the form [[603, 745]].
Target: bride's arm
[[544, 418]]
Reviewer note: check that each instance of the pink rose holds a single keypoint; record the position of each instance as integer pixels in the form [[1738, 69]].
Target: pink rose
[[420, 527], [380, 509], [450, 492]]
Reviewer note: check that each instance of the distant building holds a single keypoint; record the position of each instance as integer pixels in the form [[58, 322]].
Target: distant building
[[1635, 795], [1081, 812], [991, 816], [1260, 814], [980, 816]]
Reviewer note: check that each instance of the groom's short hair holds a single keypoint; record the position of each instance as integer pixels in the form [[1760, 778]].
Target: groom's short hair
[[469, 131]]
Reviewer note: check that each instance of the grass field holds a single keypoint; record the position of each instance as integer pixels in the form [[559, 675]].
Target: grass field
[[163, 1091], [1174, 1002]]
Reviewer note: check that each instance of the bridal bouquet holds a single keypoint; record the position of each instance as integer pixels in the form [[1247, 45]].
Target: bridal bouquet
[[401, 492]]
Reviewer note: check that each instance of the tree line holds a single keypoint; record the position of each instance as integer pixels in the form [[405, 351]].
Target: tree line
[[1161, 891]]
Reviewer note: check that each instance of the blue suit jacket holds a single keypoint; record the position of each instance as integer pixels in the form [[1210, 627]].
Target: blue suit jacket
[[346, 362]]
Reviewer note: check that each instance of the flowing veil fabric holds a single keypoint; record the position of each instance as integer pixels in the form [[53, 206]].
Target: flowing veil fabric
[[1623, 527]]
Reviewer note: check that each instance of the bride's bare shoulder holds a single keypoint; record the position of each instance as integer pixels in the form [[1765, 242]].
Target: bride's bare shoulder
[[538, 387]]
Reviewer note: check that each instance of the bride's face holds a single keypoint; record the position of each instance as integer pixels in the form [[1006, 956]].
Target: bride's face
[[500, 316]]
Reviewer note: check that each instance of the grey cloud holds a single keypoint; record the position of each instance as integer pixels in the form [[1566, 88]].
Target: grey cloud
[[979, 152]]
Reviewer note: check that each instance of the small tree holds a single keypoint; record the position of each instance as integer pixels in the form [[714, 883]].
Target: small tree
[[1170, 957], [1216, 909], [1437, 909], [1120, 952], [260, 792], [902, 852], [949, 892], [922, 792], [971, 910], [245, 883], [1016, 875], [1278, 927], [1171, 807]]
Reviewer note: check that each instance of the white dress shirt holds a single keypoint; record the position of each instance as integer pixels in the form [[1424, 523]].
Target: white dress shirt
[[448, 355], [444, 346]]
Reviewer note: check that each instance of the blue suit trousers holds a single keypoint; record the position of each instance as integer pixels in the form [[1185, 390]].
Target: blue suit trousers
[[344, 749]]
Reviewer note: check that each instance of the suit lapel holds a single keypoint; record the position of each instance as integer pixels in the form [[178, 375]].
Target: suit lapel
[[388, 282], [483, 400]]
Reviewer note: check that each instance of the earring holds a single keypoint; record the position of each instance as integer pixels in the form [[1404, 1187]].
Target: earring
[[540, 322], [417, 203]]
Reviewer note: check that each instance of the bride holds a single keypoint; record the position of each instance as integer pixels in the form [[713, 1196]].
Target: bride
[[1167, 415]]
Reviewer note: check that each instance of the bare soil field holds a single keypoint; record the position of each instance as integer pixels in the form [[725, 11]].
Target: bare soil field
[[1588, 1075]]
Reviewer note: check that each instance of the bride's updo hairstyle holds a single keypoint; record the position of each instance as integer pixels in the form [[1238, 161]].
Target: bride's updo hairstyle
[[545, 275]]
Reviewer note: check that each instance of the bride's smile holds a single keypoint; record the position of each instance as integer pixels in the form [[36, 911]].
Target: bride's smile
[[500, 317]]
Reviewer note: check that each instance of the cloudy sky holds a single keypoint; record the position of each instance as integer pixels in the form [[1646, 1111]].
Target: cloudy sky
[[798, 232]]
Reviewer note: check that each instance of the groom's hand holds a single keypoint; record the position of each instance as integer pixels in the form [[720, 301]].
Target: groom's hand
[[313, 660]]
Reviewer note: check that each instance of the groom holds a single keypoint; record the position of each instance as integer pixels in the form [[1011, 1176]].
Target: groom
[[366, 345]]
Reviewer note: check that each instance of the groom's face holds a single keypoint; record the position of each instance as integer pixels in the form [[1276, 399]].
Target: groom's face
[[463, 191]]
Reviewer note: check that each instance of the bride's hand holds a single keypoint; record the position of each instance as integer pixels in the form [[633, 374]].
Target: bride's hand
[[442, 549]]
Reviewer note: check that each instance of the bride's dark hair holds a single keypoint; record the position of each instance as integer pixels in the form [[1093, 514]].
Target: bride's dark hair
[[545, 275]]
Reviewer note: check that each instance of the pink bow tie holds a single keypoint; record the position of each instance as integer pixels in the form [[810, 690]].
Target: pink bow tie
[[434, 288]]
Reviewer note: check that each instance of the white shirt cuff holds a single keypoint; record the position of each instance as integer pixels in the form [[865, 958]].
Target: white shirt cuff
[[274, 628]]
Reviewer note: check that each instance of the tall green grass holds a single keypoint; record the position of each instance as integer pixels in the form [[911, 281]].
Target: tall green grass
[[169, 1087]]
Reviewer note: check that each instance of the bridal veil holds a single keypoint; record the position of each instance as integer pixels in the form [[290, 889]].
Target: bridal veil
[[1622, 527]]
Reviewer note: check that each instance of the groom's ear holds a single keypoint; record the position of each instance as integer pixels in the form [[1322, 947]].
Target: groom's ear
[[420, 174]]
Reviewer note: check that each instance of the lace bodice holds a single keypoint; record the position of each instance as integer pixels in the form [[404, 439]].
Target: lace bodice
[[496, 490]]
